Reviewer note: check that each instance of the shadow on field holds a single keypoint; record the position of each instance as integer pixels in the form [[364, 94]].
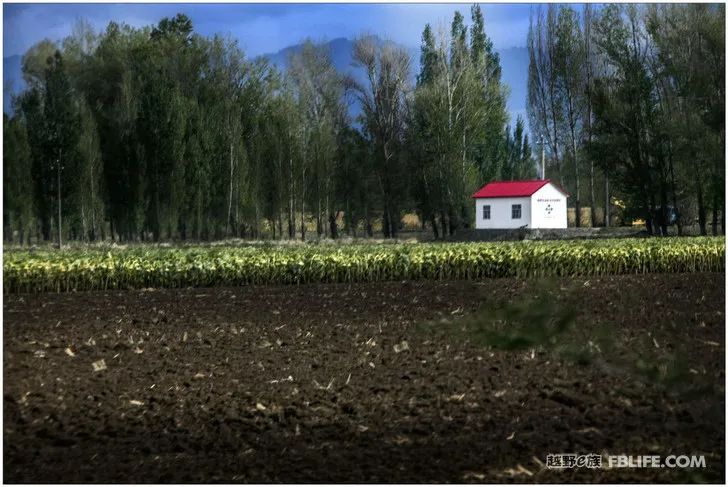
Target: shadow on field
[[427, 449], [337, 383]]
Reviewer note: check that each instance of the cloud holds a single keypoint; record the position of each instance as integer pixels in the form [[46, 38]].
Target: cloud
[[506, 25], [24, 25], [262, 27], [272, 32]]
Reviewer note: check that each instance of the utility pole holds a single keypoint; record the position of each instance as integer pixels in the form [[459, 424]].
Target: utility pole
[[543, 159]]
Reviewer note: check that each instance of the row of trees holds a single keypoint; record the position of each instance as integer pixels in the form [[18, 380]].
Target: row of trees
[[631, 99], [160, 133]]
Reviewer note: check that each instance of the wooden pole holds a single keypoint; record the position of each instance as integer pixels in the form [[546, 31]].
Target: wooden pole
[[543, 159]]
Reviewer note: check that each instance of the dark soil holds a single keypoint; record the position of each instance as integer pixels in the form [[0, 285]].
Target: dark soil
[[303, 384]]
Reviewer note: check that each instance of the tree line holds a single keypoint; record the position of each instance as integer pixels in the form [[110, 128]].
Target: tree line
[[159, 133], [630, 102]]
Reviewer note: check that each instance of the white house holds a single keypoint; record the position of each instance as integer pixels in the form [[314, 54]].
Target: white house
[[536, 203]]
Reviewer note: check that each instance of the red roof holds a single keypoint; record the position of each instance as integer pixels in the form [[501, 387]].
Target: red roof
[[505, 189]]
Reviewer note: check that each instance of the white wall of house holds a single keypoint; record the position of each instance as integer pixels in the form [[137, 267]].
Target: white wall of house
[[548, 208], [501, 211]]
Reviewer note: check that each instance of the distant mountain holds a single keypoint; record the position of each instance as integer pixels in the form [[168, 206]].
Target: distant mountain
[[514, 63], [13, 82], [341, 54]]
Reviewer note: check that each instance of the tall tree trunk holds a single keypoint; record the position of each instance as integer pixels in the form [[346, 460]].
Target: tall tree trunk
[[291, 201], [303, 218], [443, 223], [588, 63], [93, 207], [592, 199], [84, 234], [673, 191], [327, 205], [347, 217], [319, 223], [157, 218], [8, 227], [367, 222], [576, 182], [453, 220], [238, 227], [650, 220], [607, 201], [434, 226], [385, 221], [303, 201], [256, 226], [230, 193], [60, 219], [333, 225], [715, 209], [663, 209], [702, 217]]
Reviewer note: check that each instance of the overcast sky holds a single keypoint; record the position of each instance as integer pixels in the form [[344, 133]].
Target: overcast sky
[[263, 28]]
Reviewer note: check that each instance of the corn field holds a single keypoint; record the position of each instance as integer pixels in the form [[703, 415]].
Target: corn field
[[168, 267]]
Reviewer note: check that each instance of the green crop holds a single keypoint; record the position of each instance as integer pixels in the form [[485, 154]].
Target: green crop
[[169, 267]]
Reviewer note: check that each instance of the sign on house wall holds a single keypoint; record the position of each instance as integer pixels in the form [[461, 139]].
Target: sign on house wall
[[549, 206]]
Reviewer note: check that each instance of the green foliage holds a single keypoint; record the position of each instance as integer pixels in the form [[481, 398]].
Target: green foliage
[[318, 90], [384, 102], [639, 93], [17, 182], [146, 266], [538, 321], [517, 160], [160, 133], [457, 119], [544, 317]]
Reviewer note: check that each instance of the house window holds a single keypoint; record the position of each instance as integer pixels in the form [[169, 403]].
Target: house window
[[515, 212], [486, 212]]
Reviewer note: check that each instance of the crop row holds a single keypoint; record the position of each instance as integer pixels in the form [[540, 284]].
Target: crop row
[[154, 267]]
